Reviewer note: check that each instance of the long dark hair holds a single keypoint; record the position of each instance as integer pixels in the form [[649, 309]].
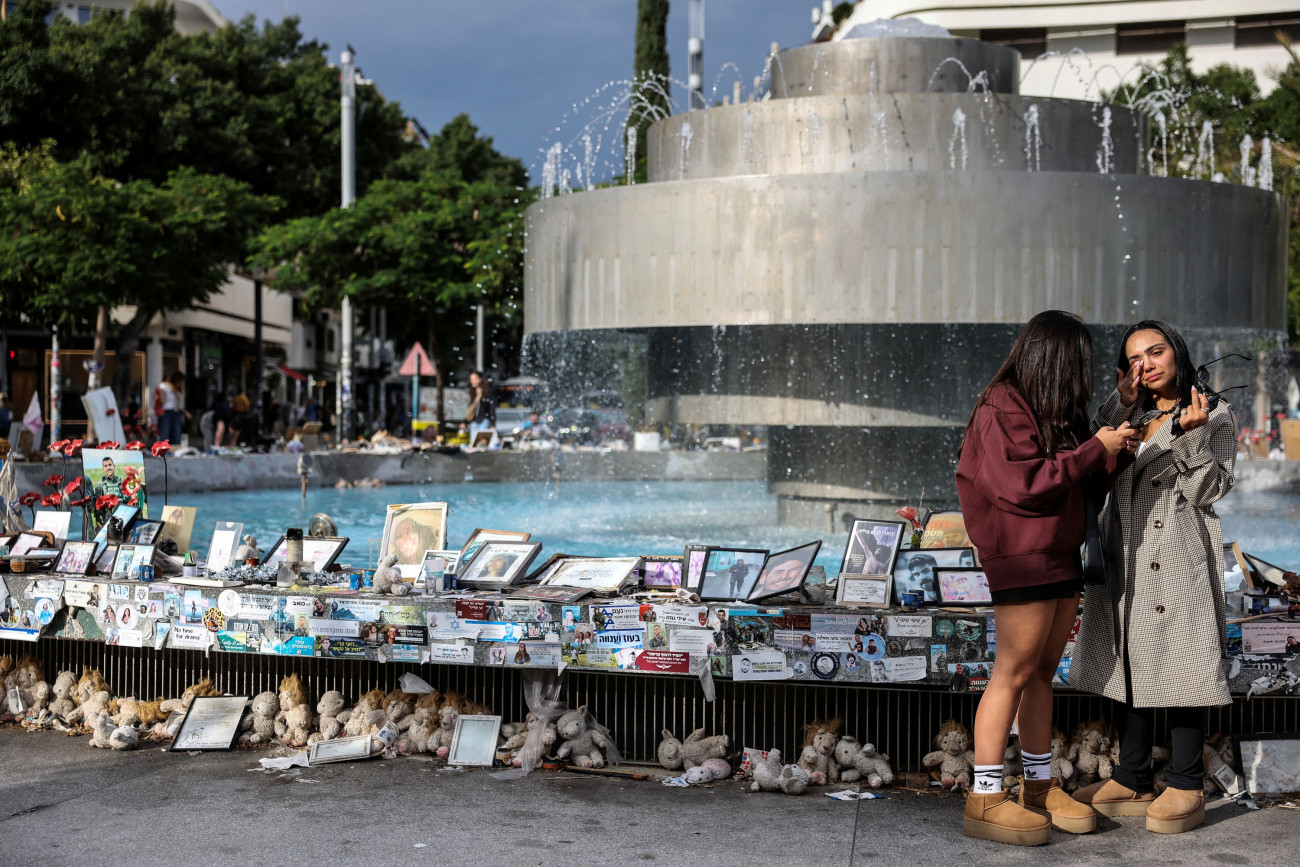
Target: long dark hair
[[1184, 371], [1051, 366]]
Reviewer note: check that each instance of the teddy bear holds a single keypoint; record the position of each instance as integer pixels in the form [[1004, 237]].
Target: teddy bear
[[62, 705], [397, 707], [368, 716], [440, 741], [137, 714], [818, 747], [24, 677], [331, 717], [291, 695], [1013, 765], [1090, 754], [697, 749], [90, 682], [516, 743], [297, 724], [669, 752], [1062, 767], [416, 737], [1220, 755], [579, 742], [871, 767], [766, 773], [388, 579], [203, 689], [258, 724], [248, 550], [104, 735], [95, 704], [952, 763], [840, 765], [794, 780]]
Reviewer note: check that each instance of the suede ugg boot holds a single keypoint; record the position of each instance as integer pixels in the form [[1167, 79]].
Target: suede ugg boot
[[1110, 798], [1047, 798], [1176, 810], [994, 816]]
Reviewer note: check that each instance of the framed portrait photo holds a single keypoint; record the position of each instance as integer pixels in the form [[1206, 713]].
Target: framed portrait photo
[[914, 569], [27, 542], [129, 559], [144, 532], [872, 547], [593, 574], [663, 573], [481, 537], [784, 572], [866, 591], [76, 558], [105, 559], [731, 573], [693, 566], [410, 529], [320, 551], [945, 530], [963, 587], [225, 538], [474, 741], [498, 564]]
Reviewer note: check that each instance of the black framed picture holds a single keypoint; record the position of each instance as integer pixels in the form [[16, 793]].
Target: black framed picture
[[731, 573], [914, 569], [784, 572], [873, 546], [320, 551], [963, 586], [662, 573], [498, 564], [693, 566]]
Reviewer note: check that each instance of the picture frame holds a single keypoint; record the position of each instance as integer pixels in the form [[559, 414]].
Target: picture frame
[[498, 564], [945, 530], [1265, 571], [1234, 560], [320, 551], [347, 749], [965, 587], [225, 539], [662, 572], [873, 546], [864, 591], [558, 595], [548, 566], [105, 559], [437, 563], [593, 574], [27, 542], [474, 741], [144, 532], [6, 540], [784, 572], [410, 529], [693, 566], [728, 571], [177, 528], [211, 724], [76, 558], [480, 537], [482, 440], [56, 522], [129, 559], [914, 569], [126, 514]]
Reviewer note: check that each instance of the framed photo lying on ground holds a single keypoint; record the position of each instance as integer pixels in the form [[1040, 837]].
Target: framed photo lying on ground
[[867, 591], [914, 569], [693, 566], [784, 572], [731, 573], [410, 529], [662, 572], [212, 723], [872, 547], [945, 530], [340, 750], [963, 586], [320, 551], [76, 558], [474, 742], [594, 574], [498, 564]]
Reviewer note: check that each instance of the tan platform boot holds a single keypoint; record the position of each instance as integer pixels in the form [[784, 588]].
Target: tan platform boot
[[1110, 798], [1047, 798], [994, 816], [1176, 810]]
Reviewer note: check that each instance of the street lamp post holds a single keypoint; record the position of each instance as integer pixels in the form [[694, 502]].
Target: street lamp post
[[343, 397]]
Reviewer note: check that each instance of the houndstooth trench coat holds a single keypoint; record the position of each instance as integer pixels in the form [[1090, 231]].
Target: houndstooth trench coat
[[1163, 595]]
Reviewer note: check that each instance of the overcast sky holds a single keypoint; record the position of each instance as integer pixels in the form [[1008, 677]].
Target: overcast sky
[[517, 67]]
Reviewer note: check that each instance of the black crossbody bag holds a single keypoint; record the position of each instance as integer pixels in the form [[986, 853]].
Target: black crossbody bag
[[1094, 561]]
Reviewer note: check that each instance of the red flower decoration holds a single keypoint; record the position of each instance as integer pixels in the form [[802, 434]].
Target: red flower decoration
[[908, 513], [77, 504], [53, 481], [135, 445], [161, 447], [134, 501], [110, 444], [30, 498], [52, 499], [76, 483], [108, 501], [72, 448], [58, 446], [132, 485], [131, 472]]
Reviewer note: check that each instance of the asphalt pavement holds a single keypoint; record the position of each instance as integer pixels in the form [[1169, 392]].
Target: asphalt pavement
[[62, 802]]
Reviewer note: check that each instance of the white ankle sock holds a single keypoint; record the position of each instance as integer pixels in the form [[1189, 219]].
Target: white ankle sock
[[988, 778], [1038, 766]]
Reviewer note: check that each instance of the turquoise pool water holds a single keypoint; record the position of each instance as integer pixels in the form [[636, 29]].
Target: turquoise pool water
[[631, 518]]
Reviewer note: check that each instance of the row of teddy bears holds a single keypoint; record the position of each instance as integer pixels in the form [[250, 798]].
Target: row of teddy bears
[[424, 723]]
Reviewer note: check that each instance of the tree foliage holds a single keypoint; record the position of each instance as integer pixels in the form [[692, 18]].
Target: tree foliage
[[650, 75]]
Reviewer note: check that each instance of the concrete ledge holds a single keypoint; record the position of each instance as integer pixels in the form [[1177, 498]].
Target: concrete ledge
[[254, 472], [1255, 476]]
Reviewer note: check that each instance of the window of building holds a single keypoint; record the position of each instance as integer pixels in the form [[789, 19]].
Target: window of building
[[10, 8], [1029, 41], [1149, 37], [1262, 29], [84, 14]]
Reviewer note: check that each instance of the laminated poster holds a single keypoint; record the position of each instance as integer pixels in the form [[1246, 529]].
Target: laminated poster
[[759, 664], [189, 637], [609, 618], [340, 648], [700, 642], [455, 654], [678, 615], [909, 626], [898, 669]]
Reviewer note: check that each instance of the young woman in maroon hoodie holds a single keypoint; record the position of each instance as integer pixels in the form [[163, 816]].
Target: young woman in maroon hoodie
[[1025, 462]]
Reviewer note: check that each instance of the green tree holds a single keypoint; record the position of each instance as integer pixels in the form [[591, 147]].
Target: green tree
[[650, 76], [77, 241]]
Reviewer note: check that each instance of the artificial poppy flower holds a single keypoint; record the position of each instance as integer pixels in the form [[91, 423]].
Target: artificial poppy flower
[[30, 498], [72, 448], [110, 444], [131, 486], [82, 503], [74, 485], [53, 481], [134, 500], [107, 501], [52, 499], [131, 472], [58, 446], [908, 513], [161, 447], [135, 445]]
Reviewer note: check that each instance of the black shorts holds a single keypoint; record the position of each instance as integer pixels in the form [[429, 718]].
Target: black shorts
[[1038, 592]]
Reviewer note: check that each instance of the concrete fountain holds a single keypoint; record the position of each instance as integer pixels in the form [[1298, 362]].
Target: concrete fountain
[[847, 259]]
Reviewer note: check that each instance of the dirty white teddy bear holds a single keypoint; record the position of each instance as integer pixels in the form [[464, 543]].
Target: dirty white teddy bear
[[258, 724], [388, 579], [332, 717]]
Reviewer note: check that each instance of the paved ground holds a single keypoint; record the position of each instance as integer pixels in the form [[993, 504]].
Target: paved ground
[[64, 803]]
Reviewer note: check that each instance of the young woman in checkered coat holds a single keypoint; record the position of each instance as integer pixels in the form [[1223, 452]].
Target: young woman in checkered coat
[[1028, 457], [1153, 634]]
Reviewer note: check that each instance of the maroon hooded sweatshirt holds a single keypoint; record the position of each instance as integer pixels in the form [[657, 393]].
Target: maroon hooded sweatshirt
[[1024, 511]]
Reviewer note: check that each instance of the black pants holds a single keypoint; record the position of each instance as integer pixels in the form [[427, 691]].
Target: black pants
[[1136, 737]]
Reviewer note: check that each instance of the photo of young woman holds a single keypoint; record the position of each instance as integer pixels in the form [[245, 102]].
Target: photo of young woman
[[1026, 459], [1141, 642]]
